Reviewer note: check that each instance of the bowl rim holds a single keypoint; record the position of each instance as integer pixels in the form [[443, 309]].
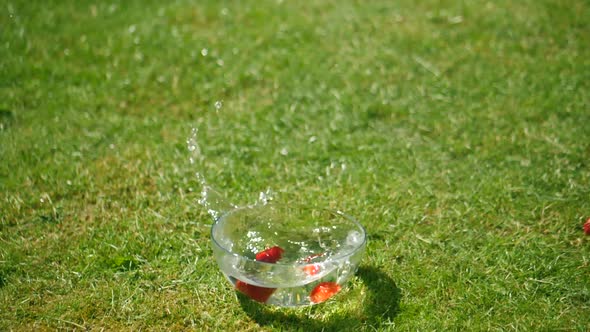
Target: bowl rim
[[339, 256]]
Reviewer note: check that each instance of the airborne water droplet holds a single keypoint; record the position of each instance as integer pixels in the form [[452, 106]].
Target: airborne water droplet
[[193, 146], [265, 196]]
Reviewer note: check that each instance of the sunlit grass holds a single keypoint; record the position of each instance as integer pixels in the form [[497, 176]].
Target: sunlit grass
[[457, 133]]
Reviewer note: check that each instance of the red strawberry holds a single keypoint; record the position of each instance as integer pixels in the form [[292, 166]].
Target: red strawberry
[[324, 291], [311, 269], [587, 227], [270, 255], [256, 293]]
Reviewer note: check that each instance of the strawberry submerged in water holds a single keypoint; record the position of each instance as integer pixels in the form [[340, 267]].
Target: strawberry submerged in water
[[323, 291], [257, 293], [270, 255], [311, 270]]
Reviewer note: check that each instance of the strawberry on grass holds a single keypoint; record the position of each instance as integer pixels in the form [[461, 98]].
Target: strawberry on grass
[[587, 227]]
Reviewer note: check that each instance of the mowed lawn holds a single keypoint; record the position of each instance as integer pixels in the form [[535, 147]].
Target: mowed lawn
[[456, 132]]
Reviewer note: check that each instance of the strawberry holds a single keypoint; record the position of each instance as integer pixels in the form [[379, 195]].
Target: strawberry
[[311, 269], [270, 255], [314, 268], [587, 227], [323, 291], [256, 293]]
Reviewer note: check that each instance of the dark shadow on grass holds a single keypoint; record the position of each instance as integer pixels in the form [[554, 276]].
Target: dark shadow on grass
[[6, 119], [380, 305]]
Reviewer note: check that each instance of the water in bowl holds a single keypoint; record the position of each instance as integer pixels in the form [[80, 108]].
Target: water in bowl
[[287, 255]]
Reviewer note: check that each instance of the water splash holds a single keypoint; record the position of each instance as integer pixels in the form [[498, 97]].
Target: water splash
[[218, 105], [194, 150], [265, 196], [213, 201]]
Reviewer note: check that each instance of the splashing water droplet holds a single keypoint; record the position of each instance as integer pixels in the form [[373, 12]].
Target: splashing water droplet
[[213, 201], [193, 146], [265, 196], [201, 179]]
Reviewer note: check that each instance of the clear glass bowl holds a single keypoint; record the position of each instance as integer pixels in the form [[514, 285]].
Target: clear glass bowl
[[287, 255]]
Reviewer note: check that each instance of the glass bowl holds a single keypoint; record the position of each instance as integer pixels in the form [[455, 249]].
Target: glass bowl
[[287, 255]]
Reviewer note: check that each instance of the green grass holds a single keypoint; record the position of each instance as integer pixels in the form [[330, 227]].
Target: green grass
[[458, 133]]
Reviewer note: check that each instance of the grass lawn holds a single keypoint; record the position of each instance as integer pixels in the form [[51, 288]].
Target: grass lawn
[[458, 133]]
